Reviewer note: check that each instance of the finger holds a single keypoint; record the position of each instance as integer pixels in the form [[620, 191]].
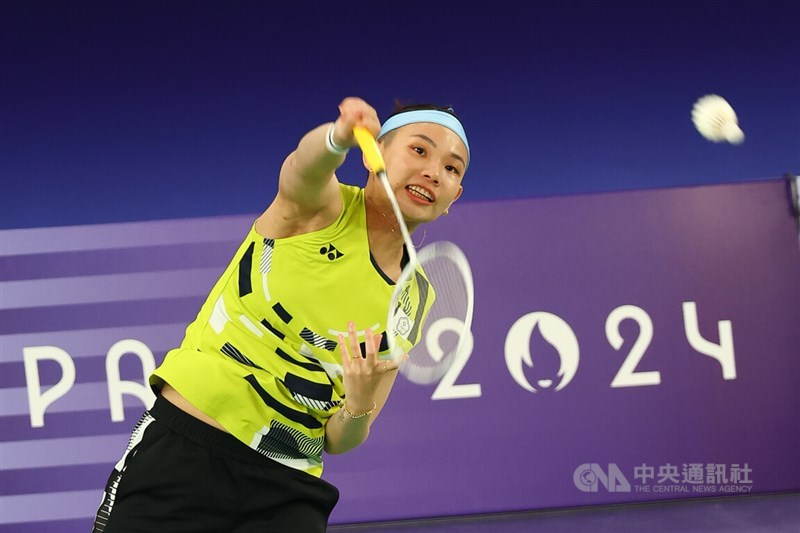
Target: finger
[[350, 112], [344, 351], [392, 365], [369, 344], [355, 348], [369, 120], [400, 359], [376, 344], [357, 112]]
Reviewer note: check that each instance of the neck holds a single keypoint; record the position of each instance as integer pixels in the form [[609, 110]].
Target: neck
[[381, 220], [376, 200], [385, 238]]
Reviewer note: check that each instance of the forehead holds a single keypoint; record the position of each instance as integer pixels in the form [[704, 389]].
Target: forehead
[[441, 136]]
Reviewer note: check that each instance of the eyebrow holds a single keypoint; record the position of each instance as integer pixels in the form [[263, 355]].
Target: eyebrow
[[453, 154]]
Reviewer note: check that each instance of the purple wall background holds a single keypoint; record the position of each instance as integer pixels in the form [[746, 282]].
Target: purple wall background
[[732, 249], [166, 109], [139, 110]]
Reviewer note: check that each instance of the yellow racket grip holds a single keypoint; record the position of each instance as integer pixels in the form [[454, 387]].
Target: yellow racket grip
[[370, 148]]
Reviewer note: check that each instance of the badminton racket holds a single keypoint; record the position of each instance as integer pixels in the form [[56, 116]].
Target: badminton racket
[[430, 312]]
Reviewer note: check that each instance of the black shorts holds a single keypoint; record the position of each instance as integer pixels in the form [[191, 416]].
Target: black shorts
[[181, 475]]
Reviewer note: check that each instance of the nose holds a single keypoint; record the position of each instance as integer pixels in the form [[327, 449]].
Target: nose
[[432, 173]]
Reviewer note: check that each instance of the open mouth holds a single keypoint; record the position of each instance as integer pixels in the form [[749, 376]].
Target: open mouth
[[420, 193]]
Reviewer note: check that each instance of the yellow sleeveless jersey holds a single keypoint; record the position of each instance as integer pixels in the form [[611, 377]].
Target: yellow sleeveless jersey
[[262, 356]]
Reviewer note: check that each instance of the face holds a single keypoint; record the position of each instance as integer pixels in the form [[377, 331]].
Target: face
[[425, 163]]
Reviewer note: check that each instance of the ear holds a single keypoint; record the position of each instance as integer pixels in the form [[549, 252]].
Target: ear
[[458, 194]]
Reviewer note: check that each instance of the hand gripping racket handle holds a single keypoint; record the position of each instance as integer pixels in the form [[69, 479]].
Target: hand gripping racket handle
[[370, 149]]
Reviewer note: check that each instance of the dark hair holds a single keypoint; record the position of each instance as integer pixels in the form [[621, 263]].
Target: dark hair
[[400, 107]]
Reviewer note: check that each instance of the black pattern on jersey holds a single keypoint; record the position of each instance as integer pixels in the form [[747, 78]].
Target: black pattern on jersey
[[283, 442], [309, 393], [317, 340], [384, 346], [266, 256], [245, 266], [287, 412], [272, 329], [282, 313], [233, 352], [313, 367], [333, 371], [423, 286]]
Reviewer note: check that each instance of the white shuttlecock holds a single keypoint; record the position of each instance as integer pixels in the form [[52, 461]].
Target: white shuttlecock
[[716, 120]]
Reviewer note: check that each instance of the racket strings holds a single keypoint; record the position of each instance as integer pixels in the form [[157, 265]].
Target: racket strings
[[446, 322]]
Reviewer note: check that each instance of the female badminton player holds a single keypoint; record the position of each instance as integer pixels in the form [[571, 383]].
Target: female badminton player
[[282, 361]]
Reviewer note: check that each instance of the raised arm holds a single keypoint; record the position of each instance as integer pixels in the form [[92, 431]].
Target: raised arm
[[308, 191]]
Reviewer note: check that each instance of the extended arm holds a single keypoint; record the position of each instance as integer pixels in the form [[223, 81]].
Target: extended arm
[[308, 193]]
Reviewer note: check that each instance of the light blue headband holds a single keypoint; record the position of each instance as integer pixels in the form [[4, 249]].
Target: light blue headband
[[425, 115]]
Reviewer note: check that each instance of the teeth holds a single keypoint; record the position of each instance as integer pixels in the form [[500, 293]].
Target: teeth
[[419, 192]]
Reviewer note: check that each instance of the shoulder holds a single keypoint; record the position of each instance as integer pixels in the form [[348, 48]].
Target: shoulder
[[351, 194], [282, 219]]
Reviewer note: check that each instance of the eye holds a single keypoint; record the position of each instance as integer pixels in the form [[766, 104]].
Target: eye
[[420, 150], [453, 170]]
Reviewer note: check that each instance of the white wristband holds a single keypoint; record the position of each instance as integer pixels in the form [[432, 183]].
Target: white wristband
[[332, 146]]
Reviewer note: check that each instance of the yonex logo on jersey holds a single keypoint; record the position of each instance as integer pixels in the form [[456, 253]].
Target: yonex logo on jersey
[[331, 252]]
